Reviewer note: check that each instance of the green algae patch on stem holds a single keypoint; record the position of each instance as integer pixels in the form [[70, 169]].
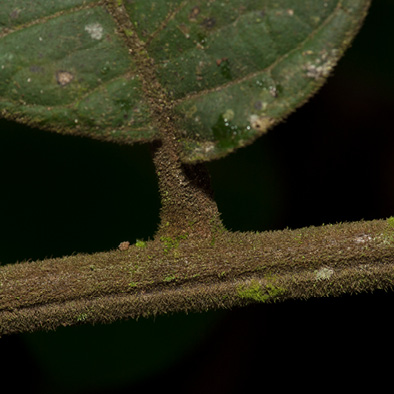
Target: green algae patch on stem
[[388, 234], [390, 222], [140, 244], [172, 242], [255, 291]]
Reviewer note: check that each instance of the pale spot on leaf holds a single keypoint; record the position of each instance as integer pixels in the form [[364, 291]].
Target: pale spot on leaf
[[95, 31], [64, 77], [260, 123]]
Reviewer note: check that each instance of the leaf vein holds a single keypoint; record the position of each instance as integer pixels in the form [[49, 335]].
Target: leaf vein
[[254, 74], [8, 31]]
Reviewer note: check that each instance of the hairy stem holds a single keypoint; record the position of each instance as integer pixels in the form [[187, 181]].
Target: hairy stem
[[188, 208], [197, 275]]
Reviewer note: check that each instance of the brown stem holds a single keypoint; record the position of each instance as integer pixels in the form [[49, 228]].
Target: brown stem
[[197, 275], [188, 207]]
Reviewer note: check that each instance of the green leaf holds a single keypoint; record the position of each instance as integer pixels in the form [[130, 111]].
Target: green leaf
[[224, 71]]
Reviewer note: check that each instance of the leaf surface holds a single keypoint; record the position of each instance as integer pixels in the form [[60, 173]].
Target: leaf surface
[[226, 70]]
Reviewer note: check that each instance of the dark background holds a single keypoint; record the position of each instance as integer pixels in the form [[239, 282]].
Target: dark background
[[331, 161]]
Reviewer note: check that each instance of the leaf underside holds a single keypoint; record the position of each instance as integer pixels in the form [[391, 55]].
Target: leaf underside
[[229, 70]]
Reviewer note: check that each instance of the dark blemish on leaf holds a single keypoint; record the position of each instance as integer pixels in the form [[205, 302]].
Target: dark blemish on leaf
[[36, 69], [258, 105], [201, 38], [220, 130], [194, 13], [184, 29], [15, 14], [256, 125], [261, 123], [63, 78], [209, 23], [224, 67], [225, 132], [219, 61]]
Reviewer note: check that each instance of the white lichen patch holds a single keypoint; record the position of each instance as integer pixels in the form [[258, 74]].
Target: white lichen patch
[[323, 273], [260, 123], [95, 30], [322, 66], [273, 91], [204, 148], [63, 78], [207, 147], [363, 239], [317, 71]]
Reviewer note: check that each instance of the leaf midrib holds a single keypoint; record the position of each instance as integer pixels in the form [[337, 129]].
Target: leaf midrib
[[159, 103]]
